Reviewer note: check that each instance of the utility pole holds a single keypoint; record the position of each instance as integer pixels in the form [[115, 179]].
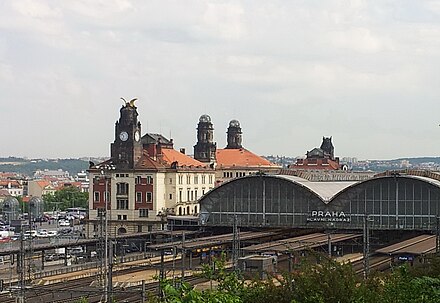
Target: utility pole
[[437, 234], [366, 246], [106, 284], [110, 273], [183, 256], [235, 243], [105, 169], [329, 244], [20, 268]]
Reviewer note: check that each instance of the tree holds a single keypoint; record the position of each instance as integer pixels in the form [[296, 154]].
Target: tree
[[69, 196], [328, 281]]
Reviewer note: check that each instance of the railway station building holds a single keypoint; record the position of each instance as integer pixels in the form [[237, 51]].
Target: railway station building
[[403, 200]]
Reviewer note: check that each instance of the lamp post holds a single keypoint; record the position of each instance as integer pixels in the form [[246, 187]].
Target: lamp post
[[105, 169]]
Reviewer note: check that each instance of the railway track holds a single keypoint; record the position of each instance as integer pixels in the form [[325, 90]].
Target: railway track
[[73, 290], [377, 263]]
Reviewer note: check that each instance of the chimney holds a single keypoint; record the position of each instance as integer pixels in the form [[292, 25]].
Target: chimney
[[182, 150], [159, 151]]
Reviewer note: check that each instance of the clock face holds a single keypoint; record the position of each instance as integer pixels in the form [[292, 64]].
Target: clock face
[[123, 136], [136, 136]]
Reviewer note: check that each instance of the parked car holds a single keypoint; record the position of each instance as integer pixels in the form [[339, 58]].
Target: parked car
[[52, 233], [76, 251], [63, 223], [31, 233], [52, 257], [66, 231], [42, 233], [41, 219]]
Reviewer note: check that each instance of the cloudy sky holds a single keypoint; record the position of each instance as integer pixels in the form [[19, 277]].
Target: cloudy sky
[[365, 72]]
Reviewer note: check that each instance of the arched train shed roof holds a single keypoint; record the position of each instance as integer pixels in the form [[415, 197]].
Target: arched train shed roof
[[324, 190], [399, 201]]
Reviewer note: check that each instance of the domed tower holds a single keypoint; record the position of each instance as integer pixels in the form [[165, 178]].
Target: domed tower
[[205, 148], [126, 150], [234, 135]]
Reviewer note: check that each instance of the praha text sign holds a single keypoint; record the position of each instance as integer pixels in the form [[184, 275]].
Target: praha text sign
[[328, 216]]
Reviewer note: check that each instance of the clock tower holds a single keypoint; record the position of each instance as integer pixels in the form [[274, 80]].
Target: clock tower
[[126, 150]]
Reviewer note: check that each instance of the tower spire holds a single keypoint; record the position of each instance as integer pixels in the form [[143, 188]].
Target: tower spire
[[234, 135], [205, 148]]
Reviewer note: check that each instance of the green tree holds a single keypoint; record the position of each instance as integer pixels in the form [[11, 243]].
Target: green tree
[[69, 196], [401, 287], [325, 281]]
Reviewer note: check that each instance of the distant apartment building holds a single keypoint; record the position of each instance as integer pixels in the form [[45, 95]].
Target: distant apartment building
[[57, 174], [38, 188], [13, 187]]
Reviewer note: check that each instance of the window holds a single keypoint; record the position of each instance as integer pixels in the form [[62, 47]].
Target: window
[[203, 179], [195, 193], [100, 211], [171, 180], [138, 197], [122, 204], [210, 179], [188, 179], [187, 194], [122, 188], [196, 179], [171, 196], [138, 180], [180, 179], [180, 195], [96, 196], [143, 213], [224, 174], [149, 180], [203, 191], [139, 228], [149, 197], [122, 217]]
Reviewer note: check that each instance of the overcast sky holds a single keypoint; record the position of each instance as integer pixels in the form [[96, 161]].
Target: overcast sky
[[366, 73]]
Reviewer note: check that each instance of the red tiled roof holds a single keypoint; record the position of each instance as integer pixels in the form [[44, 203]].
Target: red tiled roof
[[172, 155], [240, 158], [43, 183], [324, 164], [146, 162], [4, 193], [67, 184], [5, 183]]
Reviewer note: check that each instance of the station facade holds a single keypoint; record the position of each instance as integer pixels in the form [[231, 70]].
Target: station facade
[[389, 201]]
